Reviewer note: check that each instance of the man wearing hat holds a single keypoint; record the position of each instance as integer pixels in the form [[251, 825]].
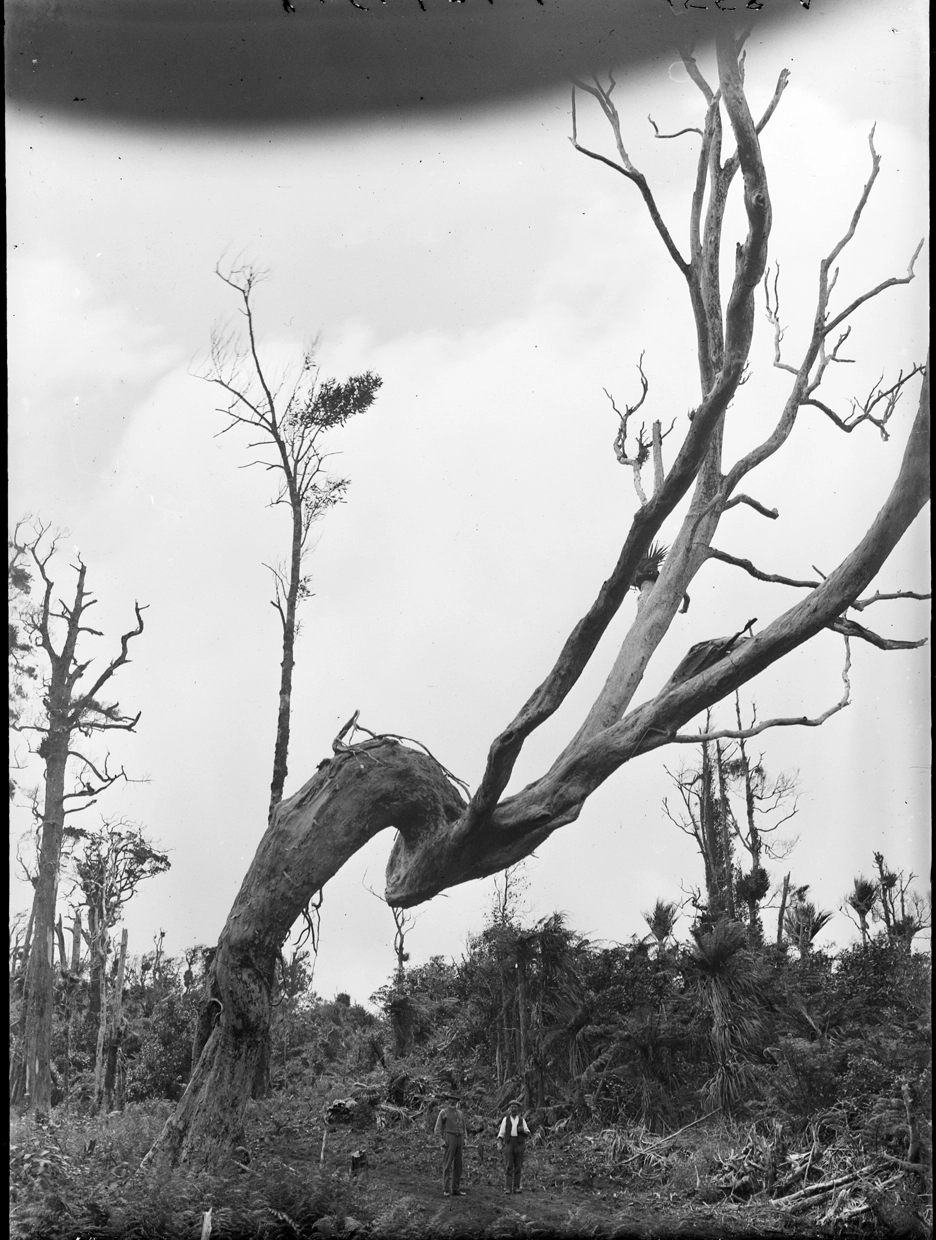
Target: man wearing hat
[[450, 1126], [511, 1140]]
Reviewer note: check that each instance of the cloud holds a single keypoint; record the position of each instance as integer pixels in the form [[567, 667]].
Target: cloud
[[79, 362]]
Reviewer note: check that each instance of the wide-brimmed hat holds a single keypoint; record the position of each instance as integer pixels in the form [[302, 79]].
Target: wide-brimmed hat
[[515, 1102]]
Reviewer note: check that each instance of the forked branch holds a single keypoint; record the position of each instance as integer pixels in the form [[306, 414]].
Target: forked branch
[[798, 721], [625, 167], [865, 411]]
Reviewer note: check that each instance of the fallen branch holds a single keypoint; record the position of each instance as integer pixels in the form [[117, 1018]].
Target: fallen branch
[[649, 1149], [805, 1197]]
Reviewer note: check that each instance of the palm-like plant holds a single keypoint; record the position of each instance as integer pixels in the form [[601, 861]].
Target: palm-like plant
[[661, 919], [648, 570], [803, 922], [862, 898], [727, 981]]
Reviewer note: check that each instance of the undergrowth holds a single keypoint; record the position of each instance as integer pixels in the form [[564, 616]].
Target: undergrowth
[[81, 1177]]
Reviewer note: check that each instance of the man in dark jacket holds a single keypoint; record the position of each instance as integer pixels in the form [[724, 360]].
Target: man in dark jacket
[[511, 1140], [450, 1126]]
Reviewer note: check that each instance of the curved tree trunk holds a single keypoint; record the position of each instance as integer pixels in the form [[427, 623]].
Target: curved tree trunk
[[361, 791]]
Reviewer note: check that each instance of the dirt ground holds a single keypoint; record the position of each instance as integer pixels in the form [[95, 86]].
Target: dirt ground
[[401, 1189]]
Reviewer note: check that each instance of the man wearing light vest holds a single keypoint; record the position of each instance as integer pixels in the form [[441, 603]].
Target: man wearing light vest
[[511, 1139]]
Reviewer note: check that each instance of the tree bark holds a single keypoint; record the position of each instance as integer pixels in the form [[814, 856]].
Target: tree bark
[[99, 963], [38, 992], [784, 894], [115, 1032], [363, 790], [522, 1020], [287, 665]]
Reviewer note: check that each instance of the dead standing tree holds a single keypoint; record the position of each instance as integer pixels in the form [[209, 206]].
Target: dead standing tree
[[443, 838], [71, 709], [291, 421]]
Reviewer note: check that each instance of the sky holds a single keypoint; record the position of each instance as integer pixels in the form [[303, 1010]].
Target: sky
[[498, 282]]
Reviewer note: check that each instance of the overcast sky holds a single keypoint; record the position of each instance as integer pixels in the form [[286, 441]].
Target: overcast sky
[[497, 281]]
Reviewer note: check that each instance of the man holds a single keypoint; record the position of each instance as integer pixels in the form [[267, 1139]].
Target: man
[[450, 1126], [511, 1140]]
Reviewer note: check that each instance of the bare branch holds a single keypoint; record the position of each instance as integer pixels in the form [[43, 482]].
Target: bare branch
[[862, 603], [642, 452], [781, 86], [773, 317], [862, 201], [657, 437], [849, 628], [626, 167], [753, 571], [864, 411], [121, 659], [771, 513], [879, 288], [683, 738], [692, 68], [677, 134], [826, 284]]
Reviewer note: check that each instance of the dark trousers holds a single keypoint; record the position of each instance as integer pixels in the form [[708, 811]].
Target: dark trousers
[[513, 1163], [452, 1161]]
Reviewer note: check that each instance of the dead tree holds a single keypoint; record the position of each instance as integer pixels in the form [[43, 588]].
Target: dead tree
[[70, 713], [446, 835], [288, 424]]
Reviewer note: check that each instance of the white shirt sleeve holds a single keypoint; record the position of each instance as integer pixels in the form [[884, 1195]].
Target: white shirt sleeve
[[501, 1132]]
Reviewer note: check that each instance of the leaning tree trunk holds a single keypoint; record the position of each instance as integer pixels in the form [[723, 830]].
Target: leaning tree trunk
[[360, 792]]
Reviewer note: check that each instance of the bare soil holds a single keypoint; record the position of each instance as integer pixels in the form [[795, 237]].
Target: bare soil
[[400, 1194]]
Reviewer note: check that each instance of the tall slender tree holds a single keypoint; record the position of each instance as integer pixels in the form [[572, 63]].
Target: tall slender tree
[[69, 714], [288, 423]]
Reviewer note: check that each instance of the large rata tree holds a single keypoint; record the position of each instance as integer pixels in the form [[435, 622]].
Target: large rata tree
[[444, 834]]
